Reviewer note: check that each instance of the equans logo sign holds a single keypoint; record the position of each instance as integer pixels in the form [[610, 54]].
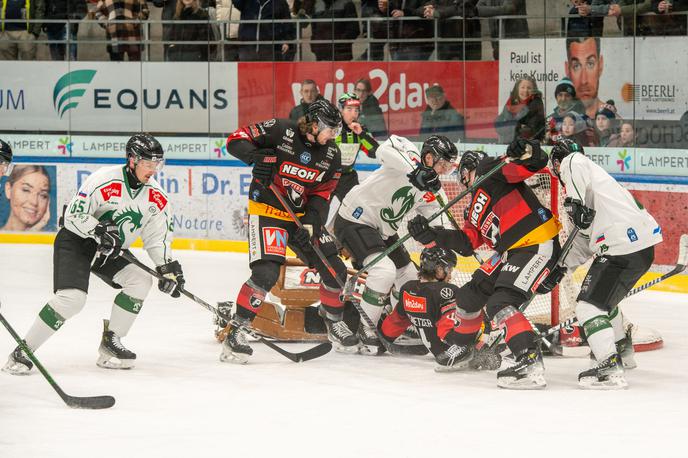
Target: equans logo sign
[[71, 87], [414, 303]]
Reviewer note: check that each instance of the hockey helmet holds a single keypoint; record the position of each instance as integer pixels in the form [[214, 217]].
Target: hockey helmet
[[469, 161], [348, 99], [325, 114], [440, 147], [145, 149], [560, 150], [5, 158], [434, 257]]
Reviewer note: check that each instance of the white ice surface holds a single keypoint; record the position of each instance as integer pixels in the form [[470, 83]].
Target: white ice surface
[[180, 401]]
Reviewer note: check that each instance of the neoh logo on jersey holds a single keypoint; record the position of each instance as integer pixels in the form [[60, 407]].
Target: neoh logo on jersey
[[157, 198], [275, 241], [302, 173], [414, 303], [480, 204], [111, 190]]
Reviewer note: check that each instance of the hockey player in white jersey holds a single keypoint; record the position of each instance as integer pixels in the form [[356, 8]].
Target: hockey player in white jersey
[[113, 207], [370, 215], [620, 234]]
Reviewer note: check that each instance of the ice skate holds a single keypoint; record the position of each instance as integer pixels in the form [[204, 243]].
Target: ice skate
[[235, 348], [369, 340], [454, 358], [625, 349], [607, 375], [112, 354], [18, 363], [343, 340], [526, 374]]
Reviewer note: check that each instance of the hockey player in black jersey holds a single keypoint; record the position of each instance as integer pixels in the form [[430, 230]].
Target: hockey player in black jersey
[[429, 303]]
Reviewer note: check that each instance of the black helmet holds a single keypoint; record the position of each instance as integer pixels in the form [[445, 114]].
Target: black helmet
[[440, 147], [469, 161], [325, 114], [434, 257], [144, 146], [5, 152], [560, 150]]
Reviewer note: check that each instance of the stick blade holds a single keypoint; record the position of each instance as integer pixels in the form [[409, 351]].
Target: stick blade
[[315, 352], [683, 251], [89, 402]]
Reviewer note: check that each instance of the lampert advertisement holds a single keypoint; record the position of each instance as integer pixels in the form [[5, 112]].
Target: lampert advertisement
[[603, 69], [119, 97]]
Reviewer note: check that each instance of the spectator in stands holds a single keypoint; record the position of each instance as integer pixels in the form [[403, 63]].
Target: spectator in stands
[[512, 28], [440, 117], [625, 138], [682, 133], [457, 28], [309, 94], [226, 11], [266, 31], [665, 23], [575, 127], [584, 67], [565, 94], [74, 10], [403, 28], [630, 14], [331, 9], [189, 10], [371, 113], [604, 122], [523, 115], [17, 39], [377, 28], [125, 37], [583, 24]]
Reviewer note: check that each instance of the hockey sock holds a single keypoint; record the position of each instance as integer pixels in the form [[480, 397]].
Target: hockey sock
[[463, 333], [65, 304], [616, 319], [124, 312], [598, 329], [249, 300], [519, 333], [330, 300], [373, 303]]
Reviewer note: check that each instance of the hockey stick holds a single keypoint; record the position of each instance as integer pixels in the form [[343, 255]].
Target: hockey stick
[[76, 402], [681, 264], [311, 353], [321, 255]]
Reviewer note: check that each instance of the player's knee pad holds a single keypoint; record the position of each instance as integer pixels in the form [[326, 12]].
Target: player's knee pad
[[503, 298], [68, 302], [519, 334], [135, 282], [264, 274], [405, 274], [381, 275]]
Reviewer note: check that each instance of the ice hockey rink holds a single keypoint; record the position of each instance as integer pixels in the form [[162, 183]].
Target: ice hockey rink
[[180, 401]]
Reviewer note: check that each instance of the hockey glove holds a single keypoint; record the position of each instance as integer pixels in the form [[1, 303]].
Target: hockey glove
[[264, 168], [420, 230], [522, 149], [174, 278], [425, 178], [579, 214], [107, 236], [552, 280]]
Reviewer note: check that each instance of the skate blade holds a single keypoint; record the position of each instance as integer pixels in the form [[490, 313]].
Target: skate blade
[[110, 362], [16, 369], [455, 368], [629, 363], [368, 350], [612, 383], [233, 358], [339, 348], [531, 382]]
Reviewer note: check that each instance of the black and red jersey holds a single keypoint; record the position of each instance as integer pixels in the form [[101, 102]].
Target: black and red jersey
[[306, 172], [431, 308], [504, 212]]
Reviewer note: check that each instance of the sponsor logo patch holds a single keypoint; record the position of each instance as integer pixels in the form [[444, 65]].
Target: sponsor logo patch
[[305, 157], [297, 188], [447, 293], [111, 190], [254, 131], [269, 122], [358, 212], [157, 198], [632, 236], [491, 264], [480, 203], [275, 241], [300, 172], [429, 197], [414, 303]]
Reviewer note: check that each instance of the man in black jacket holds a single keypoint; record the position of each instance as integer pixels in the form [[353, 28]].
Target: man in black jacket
[[74, 10]]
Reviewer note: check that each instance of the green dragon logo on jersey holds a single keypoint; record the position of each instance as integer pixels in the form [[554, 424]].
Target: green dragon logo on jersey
[[128, 217], [402, 202]]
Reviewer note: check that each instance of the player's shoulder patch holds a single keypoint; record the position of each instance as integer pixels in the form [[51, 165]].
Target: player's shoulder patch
[[157, 197], [447, 292]]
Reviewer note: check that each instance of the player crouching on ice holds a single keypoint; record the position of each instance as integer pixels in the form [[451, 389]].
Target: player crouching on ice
[[429, 303], [302, 161], [620, 234], [372, 211], [505, 214], [113, 207]]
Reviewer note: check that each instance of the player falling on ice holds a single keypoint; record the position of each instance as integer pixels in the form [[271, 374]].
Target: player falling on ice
[[113, 207], [505, 214], [370, 215], [302, 160], [5, 159], [620, 235]]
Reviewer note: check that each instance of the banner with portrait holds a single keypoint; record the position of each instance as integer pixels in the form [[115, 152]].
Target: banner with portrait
[[28, 199]]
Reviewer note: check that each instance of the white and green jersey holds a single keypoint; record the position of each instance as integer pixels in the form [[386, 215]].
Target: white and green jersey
[[620, 226], [387, 195], [138, 212]]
